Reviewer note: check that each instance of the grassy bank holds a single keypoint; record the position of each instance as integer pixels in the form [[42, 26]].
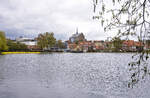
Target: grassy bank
[[20, 53]]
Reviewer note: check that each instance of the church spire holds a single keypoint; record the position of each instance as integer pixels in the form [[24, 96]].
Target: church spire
[[76, 30]]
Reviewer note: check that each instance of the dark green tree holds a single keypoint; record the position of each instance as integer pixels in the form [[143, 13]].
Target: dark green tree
[[117, 44], [46, 40], [60, 44]]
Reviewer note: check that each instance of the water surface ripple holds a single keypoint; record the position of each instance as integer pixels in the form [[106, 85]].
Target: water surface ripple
[[68, 75]]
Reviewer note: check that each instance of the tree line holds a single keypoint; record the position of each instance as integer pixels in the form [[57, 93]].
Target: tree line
[[45, 41], [9, 45]]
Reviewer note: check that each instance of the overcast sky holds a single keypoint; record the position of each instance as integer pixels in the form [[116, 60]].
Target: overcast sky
[[30, 17]]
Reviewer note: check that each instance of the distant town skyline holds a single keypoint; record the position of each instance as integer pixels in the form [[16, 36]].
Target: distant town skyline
[[30, 17]]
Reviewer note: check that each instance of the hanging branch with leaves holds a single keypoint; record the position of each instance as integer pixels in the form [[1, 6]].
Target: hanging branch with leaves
[[129, 18]]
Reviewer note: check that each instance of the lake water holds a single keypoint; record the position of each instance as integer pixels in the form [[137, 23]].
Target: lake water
[[68, 75]]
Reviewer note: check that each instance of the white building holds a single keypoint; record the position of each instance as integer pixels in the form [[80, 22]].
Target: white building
[[27, 41]]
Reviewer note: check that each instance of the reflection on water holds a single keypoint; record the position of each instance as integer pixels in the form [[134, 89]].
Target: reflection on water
[[66, 75]]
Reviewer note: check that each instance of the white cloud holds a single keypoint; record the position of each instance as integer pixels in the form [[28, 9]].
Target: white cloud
[[30, 17]]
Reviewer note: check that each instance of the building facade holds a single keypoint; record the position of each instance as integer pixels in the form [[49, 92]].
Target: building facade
[[77, 37], [31, 43]]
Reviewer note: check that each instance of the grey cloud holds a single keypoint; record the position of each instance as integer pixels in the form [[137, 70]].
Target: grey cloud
[[30, 17]]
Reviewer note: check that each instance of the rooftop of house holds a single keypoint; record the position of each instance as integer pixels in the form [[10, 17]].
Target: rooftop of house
[[21, 39], [132, 43]]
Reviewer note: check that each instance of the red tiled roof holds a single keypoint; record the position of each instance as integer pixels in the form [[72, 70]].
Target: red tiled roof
[[129, 42], [132, 43], [138, 43]]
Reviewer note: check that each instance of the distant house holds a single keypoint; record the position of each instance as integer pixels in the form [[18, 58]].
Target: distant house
[[138, 45], [131, 45], [72, 46], [86, 46], [128, 45], [99, 45]]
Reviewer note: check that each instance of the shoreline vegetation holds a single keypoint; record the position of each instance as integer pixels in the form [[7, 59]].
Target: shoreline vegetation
[[4, 53], [40, 52]]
